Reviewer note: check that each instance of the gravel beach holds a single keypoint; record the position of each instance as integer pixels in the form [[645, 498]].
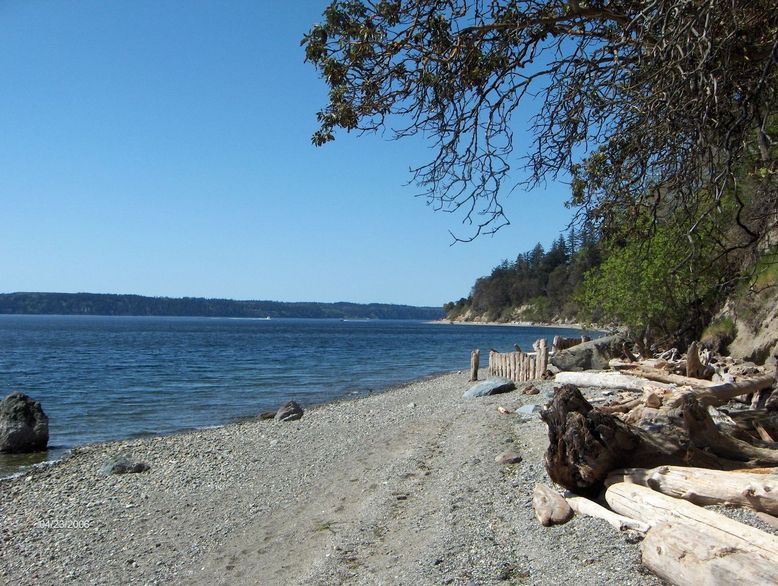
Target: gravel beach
[[399, 487]]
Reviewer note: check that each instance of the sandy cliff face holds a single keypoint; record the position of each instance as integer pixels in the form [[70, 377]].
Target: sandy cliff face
[[756, 318]]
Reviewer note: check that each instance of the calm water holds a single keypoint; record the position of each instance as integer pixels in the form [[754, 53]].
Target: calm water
[[106, 378]]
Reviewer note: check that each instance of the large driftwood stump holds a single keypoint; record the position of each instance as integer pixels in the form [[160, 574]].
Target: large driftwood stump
[[585, 443]]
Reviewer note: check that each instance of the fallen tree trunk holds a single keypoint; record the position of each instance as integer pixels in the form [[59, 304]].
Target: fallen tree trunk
[[639, 502], [604, 378], [586, 444], [654, 373], [685, 556], [720, 393], [703, 486]]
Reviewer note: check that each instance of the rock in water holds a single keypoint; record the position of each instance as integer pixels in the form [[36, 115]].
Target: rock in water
[[122, 465], [550, 507], [491, 386], [24, 426], [589, 355], [290, 411]]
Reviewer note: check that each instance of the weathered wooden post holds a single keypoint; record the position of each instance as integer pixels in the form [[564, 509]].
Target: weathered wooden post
[[542, 357], [556, 345], [475, 358]]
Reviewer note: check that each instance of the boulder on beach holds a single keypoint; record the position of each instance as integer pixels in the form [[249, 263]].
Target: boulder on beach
[[289, 411], [24, 427], [509, 456], [491, 386], [529, 410], [123, 465], [593, 355]]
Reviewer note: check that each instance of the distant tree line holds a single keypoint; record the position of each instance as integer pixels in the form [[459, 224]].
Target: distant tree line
[[539, 285], [108, 304]]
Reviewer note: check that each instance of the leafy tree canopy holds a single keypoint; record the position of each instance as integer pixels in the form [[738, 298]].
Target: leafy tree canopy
[[647, 286], [642, 102]]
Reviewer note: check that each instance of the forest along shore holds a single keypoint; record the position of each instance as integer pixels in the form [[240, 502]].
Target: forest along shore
[[522, 324], [400, 487]]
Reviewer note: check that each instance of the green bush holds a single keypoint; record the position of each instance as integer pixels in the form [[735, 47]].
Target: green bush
[[651, 287]]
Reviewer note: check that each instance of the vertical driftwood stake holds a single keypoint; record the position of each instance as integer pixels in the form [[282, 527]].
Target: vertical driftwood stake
[[542, 358], [475, 358]]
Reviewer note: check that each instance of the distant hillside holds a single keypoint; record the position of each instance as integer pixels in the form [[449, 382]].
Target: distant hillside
[[538, 286], [105, 304]]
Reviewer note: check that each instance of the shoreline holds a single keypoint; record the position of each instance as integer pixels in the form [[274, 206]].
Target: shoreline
[[64, 452], [395, 487], [520, 324]]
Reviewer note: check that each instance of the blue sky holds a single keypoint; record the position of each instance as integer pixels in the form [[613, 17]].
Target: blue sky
[[163, 148]]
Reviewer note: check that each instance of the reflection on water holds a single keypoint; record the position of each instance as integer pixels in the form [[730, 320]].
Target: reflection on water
[[11, 463]]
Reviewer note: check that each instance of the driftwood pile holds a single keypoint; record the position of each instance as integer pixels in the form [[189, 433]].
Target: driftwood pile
[[681, 432]]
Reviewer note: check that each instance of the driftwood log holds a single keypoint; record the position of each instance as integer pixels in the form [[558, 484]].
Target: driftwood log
[[586, 444], [603, 378], [654, 508], [707, 487], [688, 556]]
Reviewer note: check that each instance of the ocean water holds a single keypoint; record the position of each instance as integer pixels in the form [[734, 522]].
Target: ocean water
[[108, 378]]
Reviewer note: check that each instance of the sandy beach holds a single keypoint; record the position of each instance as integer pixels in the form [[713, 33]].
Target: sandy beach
[[400, 487]]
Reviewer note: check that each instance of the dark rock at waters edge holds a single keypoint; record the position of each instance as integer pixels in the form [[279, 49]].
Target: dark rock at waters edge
[[593, 355], [24, 427], [491, 386], [290, 411], [267, 415], [122, 465]]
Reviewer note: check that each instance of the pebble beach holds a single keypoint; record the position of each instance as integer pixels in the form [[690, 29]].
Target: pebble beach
[[400, 487]]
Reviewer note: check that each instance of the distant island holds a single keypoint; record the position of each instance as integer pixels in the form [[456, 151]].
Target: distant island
[[111, 304]]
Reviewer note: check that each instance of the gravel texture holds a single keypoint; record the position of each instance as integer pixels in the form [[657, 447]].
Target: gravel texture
[[400, 487]]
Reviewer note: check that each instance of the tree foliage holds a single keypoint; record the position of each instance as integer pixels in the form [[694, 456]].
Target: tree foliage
[[643, 103], [539, 282], [646, 286]]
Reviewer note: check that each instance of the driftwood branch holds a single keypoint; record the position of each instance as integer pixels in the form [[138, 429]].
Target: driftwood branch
[[584, 506]]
